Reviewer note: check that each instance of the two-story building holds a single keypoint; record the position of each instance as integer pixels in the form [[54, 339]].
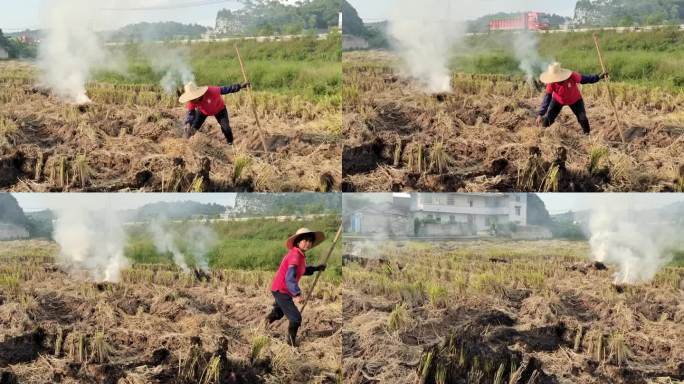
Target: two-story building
[[440, 214]]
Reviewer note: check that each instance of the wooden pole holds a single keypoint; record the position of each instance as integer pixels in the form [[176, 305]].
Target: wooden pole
[[610, 92], [325, 261], [251, 100]]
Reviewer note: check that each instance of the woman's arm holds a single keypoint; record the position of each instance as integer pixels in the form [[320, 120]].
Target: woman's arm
[[545, 104], [291, 281], [231, 89]]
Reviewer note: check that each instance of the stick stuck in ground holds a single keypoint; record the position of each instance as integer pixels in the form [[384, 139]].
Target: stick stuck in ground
[[251, 99], [610, 91]]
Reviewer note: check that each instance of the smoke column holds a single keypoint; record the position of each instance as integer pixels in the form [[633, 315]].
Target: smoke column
[[164, 242], [424, 34], [91, 241], [70, 48], [637, 246], [199, 240], [526, 48], [174, 64]]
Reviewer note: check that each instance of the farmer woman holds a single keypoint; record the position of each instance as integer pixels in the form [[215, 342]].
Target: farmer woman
[[562, 89], [207, 101], [285, 286]]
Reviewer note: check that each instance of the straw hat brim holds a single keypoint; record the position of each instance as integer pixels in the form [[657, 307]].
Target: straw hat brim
[[320, 237], [549, 78], [195, 94]]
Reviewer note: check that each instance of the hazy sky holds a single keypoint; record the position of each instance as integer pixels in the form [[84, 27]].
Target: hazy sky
[[376, 10], [40, 201], [563, 202], [27, 13]]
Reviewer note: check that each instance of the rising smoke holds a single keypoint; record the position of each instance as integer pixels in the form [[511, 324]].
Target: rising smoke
[[173, 64], [91, 242], [73, 49], [70, 48], [423, 34], [637, 244], [526, 49], [200, 240]]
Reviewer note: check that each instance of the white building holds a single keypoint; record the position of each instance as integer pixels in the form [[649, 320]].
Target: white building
[[477, 210]]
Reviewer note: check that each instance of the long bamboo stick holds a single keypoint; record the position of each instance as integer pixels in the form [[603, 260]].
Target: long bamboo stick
[[251, 100], [325, 261], [610, 91]]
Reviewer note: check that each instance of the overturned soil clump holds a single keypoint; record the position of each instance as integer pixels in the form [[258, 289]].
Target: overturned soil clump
[[483, 136]]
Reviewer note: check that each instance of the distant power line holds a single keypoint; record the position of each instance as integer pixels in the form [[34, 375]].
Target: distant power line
[[190, 4]]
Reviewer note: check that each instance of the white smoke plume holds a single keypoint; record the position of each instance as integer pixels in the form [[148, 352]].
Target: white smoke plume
[[638, 246], [526, 49], [165, 241], [200, 239], [91, 242], [174, 64], [424, 33], [70, 48]]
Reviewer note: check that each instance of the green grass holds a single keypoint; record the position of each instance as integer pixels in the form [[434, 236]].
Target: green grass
[[257, 244], [307, 67], [647, 58]]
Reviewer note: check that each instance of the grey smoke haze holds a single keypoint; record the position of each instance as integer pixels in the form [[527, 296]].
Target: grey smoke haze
[[423, 34], [72, 50], [526, 49], [91, 242], [639, 246], [200, 240]]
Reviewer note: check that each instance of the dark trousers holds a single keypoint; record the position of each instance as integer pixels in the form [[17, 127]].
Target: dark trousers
[[284, 306], [221, 117], [577, 108]]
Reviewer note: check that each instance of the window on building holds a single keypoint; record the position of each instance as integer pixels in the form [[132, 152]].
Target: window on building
[[451, 200], [517, 211], [452, 219], [517, 198], [427, 199], [470, 202], [430, 217], [438, 219]]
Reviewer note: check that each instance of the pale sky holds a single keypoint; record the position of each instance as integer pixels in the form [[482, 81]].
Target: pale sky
[[30, 202], [19, 15], [564, 202], [377, 10]]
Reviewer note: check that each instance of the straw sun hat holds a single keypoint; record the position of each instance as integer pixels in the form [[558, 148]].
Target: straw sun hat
[[555, 74], [301, 231], [192, 92]]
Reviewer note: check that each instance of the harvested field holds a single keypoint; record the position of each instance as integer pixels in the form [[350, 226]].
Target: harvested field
[[505, 312], [483, 137], [130, 138], [156, 326]]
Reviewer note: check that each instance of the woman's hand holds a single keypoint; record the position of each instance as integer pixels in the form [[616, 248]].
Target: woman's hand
[[539, 121], [299, 299], [246, 85], [322, 267], [604, 75]]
